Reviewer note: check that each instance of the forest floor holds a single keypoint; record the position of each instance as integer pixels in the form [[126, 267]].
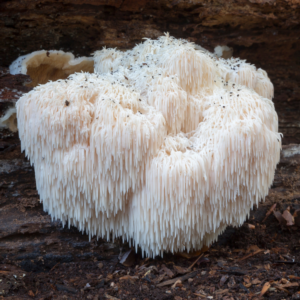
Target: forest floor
[[259, 259]]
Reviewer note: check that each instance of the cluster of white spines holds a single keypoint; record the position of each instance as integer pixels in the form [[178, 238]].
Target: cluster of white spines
[[162, 146]]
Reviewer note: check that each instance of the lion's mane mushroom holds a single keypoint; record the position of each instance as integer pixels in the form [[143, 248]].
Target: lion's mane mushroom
[[164, 145]]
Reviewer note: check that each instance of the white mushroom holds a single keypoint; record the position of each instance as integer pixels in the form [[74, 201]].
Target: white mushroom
[[163, 146]]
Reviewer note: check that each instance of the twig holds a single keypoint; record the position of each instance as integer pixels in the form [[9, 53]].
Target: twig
[[269, 212], [182, 278], [54, 267], [283, 289], [250, 255], [191, 266]]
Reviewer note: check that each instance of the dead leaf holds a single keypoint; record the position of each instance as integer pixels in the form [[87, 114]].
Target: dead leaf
[[223, 279], [279, 218], [31, 293], [247, 279], [160, 278], [265, 288], [167, 271], [256, 281], [288, 217], [128, 258], [180, 270]]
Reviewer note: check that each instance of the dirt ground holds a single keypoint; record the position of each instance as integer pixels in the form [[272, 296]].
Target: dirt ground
[[239, 266]]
